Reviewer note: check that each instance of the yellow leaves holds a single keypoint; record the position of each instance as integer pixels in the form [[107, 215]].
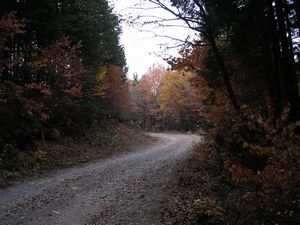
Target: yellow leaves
[[109, 81], [101, 74], [41, 156], [209, 207], [112, 90], [176, 94], [173, 95]]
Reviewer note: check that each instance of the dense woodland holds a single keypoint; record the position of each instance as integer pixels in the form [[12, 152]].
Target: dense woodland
[[242, 76], [62, 73], [238, 82], [63, 70]]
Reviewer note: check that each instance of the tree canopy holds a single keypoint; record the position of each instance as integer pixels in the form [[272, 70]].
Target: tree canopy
[[51, 55]]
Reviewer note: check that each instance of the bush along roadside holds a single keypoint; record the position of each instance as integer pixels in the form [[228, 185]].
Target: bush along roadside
[[246, 172]]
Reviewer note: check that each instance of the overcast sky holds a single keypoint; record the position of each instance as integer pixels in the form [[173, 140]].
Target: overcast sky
[[142, 47]]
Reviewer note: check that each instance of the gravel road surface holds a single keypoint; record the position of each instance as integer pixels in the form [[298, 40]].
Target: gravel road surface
[[126, 189]]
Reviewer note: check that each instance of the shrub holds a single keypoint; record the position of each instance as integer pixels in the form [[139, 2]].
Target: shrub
[[263, 157]]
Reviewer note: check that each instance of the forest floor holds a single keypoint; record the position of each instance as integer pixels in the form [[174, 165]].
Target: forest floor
[[198, 188], [129, 188]]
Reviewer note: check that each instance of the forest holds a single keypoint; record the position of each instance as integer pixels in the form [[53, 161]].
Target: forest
[[63, 75]]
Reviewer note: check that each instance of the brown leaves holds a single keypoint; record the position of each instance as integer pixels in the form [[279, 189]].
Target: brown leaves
[[10, 26], [191, 58], [150, 82], [27, 107], [60, 60], [275, 180], [112, 90], [176, 95]]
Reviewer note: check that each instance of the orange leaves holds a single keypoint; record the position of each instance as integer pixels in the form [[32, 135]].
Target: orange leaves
[[109, 79], [57, 65], [9, 28], [150, 82], [262, 154], [28, 108], [191, 58], [41, 88], [60, 60], [73, 91], [176, 96], [110, 82], [112, 89], [173, 97], [240, 173], [146, 91]]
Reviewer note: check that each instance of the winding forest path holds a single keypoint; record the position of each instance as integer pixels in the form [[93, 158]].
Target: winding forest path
[[123, 190]]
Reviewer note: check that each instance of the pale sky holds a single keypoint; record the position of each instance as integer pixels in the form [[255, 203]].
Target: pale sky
[[142, 48]]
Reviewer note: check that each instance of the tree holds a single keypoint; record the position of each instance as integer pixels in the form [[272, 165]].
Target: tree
[[50, 52], [113, 92], [177, 99], [135, 80], [146, 95], [261, 27], [90, 22], [198, 16]]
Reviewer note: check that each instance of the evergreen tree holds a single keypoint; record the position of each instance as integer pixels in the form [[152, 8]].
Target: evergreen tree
[[135, 80], [91, 22], [52, 54]]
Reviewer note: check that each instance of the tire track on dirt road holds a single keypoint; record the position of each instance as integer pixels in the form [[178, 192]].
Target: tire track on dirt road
[[122, 190]]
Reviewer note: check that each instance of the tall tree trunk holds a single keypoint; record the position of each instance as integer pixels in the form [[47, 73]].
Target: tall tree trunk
[[288, 72], [224, 72], [220, 61], [271, 55]]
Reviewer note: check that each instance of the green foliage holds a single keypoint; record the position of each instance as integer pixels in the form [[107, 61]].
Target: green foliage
[[90, 22]]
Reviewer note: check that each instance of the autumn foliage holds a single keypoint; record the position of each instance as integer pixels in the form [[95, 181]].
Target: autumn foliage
[[113, 91], [47, 92], [178, 99], [169, 99], [257, 150], [145, 96]]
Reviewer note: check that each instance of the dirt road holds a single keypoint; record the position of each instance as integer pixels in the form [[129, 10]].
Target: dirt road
[[122, 190]]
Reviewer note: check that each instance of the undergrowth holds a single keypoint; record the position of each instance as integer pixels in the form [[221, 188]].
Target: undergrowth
[[246, 172], [64, 151]]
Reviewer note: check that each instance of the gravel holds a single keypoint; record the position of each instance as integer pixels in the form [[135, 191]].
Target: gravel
[[126, 189]]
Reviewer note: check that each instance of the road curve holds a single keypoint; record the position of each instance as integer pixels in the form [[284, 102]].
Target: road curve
[[122, 190]]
